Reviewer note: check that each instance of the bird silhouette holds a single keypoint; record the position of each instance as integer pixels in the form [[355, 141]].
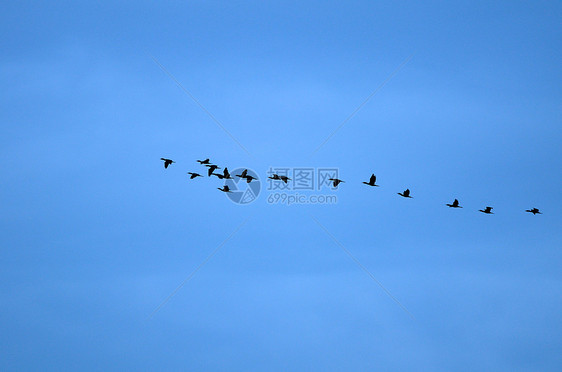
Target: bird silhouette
[[335, 181], [244, 174], [405, 194], [224, 189], [249, 179], [212, 168], [218, 175], [372, 181], [454, 205], [193, 175], [488, 210], [206, 161], [226, 174], [279, 178], [533, 211], [167, 162]]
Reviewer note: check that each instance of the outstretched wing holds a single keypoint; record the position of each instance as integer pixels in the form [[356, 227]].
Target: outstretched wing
[[373, 179]]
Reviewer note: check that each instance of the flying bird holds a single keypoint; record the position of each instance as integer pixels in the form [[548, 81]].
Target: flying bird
[[533, 211], [488, 210], [193, 175], [244, 174], [226, 174], [218, 175], [454, 205], [167, 162], [206, 161], [405, 194], [372, 181], [224, 189], [248, 178], [212, 168], [336, 181], [278, 177]]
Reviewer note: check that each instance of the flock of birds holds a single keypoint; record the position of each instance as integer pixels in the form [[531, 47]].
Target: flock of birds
[[335, 182]]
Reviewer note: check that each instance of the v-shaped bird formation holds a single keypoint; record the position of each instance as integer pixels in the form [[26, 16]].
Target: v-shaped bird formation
[[335, 182]]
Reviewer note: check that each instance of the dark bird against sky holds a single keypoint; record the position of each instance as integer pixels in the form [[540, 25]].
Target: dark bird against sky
[[405, 194], [372, 181], [212, 168], [454, 205], [533, 211], [335, 181], [167, 162], [193, 175], [488, 210], [224, 189]]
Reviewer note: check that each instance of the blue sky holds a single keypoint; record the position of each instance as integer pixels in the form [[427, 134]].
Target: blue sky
[[96, 233]]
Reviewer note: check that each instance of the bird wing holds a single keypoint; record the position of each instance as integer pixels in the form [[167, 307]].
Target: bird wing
[[373, 179], [407, 192]]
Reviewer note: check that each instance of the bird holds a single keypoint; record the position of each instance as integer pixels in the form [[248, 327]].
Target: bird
[[212, 168], [372, 181], [193, 175], [244, 174], [336, 181], [218, 175], [454, 205], [405, 194], [488, 210], [249, 179], [206, 161], [226, 174], [533, 211], [167, 162], [224, 189], [278, 177]]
